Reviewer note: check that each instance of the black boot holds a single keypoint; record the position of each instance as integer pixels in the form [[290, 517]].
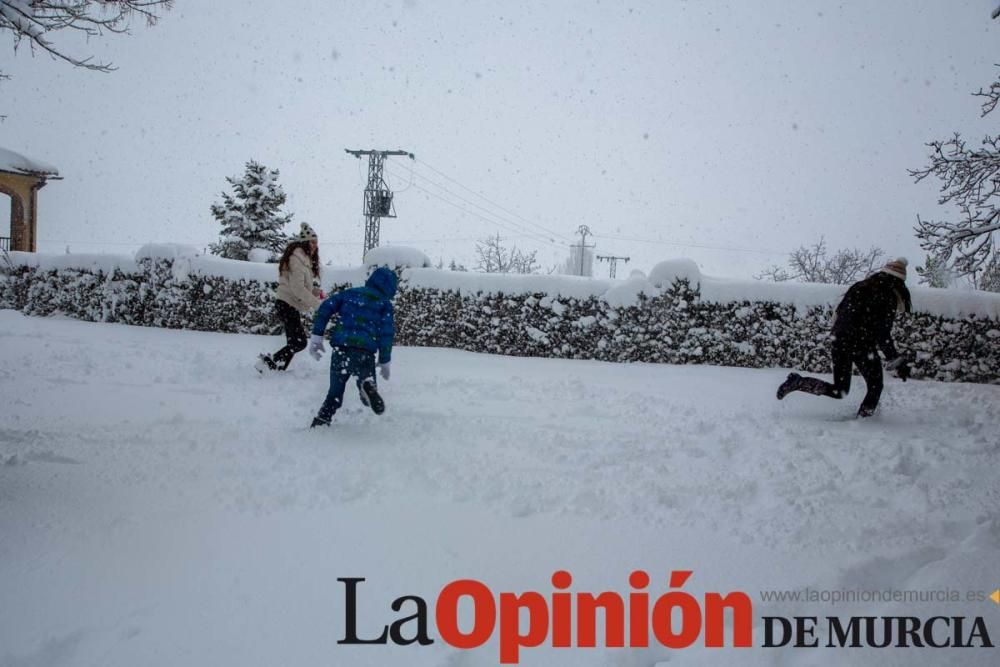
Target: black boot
[[264, 363], [375, 401], [790, 384], [319, 422], [866, 411]]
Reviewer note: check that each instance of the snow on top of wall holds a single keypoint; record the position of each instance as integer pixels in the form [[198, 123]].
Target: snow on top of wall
[[166, 251], [667, 272], [954, 303], [187, 260], [17, 163], [623, 293], [801, 295], [950, 303], [232, 269], [395, 256], [355, 276], [472, 283], [93, 262]]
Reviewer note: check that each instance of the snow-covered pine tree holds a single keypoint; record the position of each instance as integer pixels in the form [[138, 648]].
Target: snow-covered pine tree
[[934, 272], [989, 281], [251, 217]]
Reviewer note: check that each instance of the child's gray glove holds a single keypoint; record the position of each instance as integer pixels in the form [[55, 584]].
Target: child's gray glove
[[316, 348], [384, 370]]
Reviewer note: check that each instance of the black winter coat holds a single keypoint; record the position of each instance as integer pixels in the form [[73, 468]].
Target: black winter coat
[[865, 315]]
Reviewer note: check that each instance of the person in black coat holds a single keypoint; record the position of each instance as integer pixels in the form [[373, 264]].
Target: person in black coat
[[862, 325]]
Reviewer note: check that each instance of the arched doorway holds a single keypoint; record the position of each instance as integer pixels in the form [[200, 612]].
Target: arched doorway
[[11, 219], [20, 180]]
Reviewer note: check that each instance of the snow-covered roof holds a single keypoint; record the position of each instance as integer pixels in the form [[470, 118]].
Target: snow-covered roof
[[18, 164]]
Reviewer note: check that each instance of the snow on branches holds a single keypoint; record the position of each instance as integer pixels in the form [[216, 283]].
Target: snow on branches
[[35, 20], [970, 180], [812, 264], [495, 257]]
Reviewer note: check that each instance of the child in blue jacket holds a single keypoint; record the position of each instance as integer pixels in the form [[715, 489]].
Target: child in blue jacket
[[364, 325]]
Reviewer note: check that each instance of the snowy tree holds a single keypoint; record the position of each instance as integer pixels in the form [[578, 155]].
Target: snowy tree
[[934, 272], [813, 264], [34, 21], [989, 280], [455, 266], [495, 257], [970, 180], [251, 218]]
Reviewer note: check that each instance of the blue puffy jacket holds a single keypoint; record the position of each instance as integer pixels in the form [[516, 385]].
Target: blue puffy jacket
[[364, 315]]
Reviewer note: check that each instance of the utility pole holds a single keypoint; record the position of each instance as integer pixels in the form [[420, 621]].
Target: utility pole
[[378, 196], [583, 231], [614, 262]]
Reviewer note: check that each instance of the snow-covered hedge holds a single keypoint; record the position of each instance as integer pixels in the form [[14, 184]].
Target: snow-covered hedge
[[156, 292], [676, 315]]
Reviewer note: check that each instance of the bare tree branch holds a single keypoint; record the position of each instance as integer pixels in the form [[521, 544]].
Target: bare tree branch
[[495, 257], [812, 264], [970, 181]]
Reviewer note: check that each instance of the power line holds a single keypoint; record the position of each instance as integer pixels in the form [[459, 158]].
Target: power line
[[517, 226], [691, 245], [556, 234], [446, 239], [484, 198], [408, 185], [494, 220], [496, 223]]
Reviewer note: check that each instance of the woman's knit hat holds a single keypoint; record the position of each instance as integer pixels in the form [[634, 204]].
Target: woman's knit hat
[[896, 268], [307, 233]]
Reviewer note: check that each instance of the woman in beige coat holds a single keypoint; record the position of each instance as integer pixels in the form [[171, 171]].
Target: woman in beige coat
[[298, 267]]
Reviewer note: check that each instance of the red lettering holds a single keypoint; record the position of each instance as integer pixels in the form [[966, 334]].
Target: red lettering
[[511, 639], [638, 611], [484, 615], [715, 622], [562, 614], [614, 619]]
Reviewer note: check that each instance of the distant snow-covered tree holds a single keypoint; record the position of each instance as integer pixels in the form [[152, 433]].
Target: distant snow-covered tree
[[495, 257], [455, 266], [989, 280], [934, 272], [251, 217], [813, 264]]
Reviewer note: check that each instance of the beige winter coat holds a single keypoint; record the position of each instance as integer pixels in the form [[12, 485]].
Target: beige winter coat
[[296, 284]]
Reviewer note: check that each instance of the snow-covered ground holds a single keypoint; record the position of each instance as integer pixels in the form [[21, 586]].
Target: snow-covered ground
[[161, 504]]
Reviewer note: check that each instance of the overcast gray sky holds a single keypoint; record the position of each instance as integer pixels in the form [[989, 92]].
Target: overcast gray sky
[[727, 132]]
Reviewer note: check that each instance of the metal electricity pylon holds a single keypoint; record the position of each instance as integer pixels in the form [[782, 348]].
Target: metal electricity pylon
[[378, 196], [614, 262]]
